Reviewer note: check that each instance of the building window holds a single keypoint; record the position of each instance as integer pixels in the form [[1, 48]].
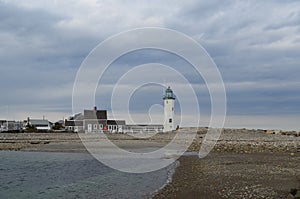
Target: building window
[[95, 126], [100, 126], [172, 108], [109, 127], [170, 120]]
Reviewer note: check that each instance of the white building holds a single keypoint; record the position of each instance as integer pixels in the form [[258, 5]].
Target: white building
[[39, 124], [169, 99], [13, 126], [3, 125]]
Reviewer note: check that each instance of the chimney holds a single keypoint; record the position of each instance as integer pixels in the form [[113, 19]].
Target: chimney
[[28, 120], [95, 108]]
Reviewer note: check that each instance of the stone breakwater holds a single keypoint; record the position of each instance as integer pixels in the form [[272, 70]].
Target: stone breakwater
[[250, 141]]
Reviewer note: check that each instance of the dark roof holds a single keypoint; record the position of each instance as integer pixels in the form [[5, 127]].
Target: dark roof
[[74, 123], [116, 122], [59, 122], [95, 114]]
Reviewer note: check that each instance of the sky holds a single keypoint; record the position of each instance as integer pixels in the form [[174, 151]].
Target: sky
[[255, 45]]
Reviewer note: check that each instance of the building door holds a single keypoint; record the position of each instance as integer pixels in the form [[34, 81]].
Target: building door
[[89, 127]]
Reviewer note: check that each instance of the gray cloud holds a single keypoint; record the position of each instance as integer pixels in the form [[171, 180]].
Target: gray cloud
[[255, 44]]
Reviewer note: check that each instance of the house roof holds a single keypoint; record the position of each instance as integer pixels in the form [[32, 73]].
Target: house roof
[[37, 122], [59, 122], [74, 123], [95, 114]]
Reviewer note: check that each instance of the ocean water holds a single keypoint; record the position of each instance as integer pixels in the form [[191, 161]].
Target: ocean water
[[71, 175]]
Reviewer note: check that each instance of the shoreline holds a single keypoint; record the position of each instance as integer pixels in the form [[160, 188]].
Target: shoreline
[[169, 180], [229, 175]]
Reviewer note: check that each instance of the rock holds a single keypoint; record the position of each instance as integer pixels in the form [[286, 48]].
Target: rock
[[35, 142], [292, 154], [293, 192]]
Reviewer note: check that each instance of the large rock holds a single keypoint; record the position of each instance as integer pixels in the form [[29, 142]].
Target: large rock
[[293, 192]]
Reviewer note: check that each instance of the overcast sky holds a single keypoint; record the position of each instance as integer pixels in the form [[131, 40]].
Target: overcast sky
[[255, 44]]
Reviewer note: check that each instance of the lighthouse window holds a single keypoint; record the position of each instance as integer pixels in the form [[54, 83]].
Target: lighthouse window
[[170, 120]]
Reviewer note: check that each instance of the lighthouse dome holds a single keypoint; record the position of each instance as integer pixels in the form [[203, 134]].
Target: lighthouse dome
[[169, 94]]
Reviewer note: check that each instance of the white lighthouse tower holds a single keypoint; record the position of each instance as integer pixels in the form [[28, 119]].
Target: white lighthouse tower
[[169, 99]]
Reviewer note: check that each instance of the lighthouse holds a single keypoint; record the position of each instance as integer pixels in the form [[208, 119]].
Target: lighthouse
[[169, 99]]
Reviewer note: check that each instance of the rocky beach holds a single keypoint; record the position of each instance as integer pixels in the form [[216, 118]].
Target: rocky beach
[[243, 164]]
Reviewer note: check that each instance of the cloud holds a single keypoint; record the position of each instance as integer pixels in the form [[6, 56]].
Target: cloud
[[255, 44]]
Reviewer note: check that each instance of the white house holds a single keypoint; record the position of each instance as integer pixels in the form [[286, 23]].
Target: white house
[[94, 121], [39, 124]]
